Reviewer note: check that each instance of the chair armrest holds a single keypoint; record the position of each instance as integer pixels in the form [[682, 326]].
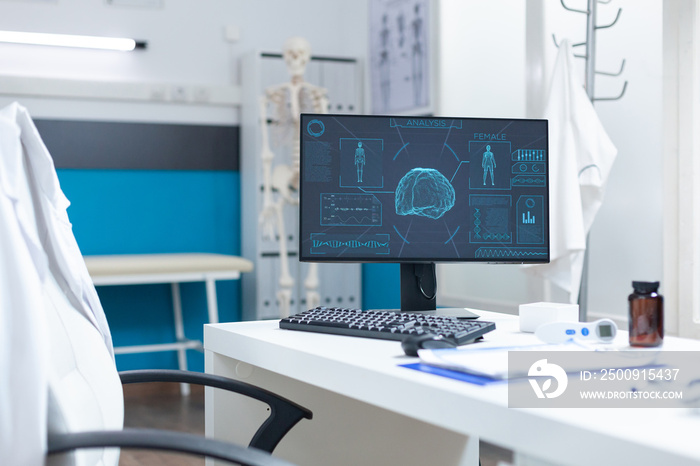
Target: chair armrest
[[154, 439], [284, 414]]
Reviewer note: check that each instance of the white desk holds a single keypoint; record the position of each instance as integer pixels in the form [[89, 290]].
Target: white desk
[[368, 410], [141, 269]]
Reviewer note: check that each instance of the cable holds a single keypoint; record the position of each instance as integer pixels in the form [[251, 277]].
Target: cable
[[419, 279]]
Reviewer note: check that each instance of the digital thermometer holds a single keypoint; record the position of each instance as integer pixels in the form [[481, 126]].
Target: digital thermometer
[[558, 332]]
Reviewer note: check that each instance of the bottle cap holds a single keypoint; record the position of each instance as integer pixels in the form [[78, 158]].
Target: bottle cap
[[645, 287]]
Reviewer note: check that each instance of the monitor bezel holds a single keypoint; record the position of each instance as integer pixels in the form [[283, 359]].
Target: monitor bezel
[[415, 260]]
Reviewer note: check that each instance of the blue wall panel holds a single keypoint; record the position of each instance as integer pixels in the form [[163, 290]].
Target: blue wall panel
[[130, 212], [151, 211], [381, 286]]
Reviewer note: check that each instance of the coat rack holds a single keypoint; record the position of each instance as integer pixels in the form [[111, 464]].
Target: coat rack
[[590, 55], [590, 44]]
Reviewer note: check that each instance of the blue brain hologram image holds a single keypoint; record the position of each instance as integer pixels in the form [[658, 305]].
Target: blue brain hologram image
[[424, 192]]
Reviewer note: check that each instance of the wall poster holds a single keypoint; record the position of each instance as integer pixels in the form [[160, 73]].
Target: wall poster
[[400, 56]]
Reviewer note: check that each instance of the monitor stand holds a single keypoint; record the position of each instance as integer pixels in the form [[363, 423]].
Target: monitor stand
[[419, 289]]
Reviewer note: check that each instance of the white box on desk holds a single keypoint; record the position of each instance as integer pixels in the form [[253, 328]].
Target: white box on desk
[[535, 314]]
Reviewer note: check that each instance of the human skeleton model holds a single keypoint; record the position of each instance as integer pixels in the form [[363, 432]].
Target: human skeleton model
[[287, 101]]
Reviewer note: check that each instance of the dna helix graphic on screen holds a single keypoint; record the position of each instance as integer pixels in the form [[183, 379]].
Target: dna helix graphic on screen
[[321, 243]]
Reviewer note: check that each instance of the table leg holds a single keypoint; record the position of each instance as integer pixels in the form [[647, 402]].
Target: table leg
[[180, 335], [212, 305]]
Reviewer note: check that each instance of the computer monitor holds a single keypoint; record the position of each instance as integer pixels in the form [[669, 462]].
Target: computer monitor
[[422, 190]]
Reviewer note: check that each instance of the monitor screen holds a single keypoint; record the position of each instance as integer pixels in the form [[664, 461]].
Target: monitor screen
[[423, 190], [416, 189]]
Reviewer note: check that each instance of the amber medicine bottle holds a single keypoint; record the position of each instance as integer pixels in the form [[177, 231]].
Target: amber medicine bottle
[[646, 322]]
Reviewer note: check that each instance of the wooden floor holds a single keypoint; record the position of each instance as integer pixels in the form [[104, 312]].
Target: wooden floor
[[160, 406]]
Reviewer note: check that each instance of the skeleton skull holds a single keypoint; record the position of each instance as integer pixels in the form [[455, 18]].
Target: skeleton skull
[[297, 53]]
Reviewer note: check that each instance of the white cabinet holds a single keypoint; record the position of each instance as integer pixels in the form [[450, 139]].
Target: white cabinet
[[340, 284]]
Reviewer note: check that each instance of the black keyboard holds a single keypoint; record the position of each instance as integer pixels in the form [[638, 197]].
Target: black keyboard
[[385, 325]]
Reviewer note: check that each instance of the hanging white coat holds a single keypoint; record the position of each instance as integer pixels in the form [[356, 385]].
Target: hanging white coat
[[581, 156]]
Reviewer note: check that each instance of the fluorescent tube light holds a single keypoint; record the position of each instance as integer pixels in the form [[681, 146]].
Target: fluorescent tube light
[[66, 40]]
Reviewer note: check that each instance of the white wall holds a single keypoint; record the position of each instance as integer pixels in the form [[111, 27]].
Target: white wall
[[482, 58], [482, 63], [482, 72], [186, 45], [626, 239], [626, 242]]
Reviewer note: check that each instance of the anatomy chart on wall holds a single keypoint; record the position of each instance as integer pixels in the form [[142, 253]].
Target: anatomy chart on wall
[[399, 56]]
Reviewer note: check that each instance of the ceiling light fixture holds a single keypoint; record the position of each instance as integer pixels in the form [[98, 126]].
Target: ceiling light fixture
[[66, 40]]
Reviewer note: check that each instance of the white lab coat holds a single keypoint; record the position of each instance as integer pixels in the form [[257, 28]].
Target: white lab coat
[[35, 238], [581, 156], [23, 336]]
